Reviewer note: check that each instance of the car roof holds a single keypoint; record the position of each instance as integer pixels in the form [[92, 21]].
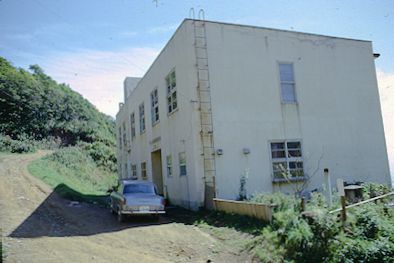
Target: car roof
[[129, 181]]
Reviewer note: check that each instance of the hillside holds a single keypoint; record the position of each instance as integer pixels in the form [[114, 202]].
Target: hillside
[[36, 112], [35, 105]]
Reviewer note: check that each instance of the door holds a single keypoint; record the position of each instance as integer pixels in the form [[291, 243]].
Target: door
[[157, 171]]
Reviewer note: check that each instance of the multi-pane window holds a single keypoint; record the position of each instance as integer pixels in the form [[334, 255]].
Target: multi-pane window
[[125, 171], [143, 171], [171, 92], [169, 165], [287, 82], [287, 160], [182, 163], [142, 117], [120, 137], [124, 134], [154, 98], [132, 124], [134, 175]]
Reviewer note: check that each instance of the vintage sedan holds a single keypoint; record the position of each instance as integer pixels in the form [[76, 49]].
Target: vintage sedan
[[136, 198]]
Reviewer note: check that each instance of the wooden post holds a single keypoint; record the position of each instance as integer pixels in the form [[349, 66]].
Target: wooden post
[[302, 204], [343, 211]]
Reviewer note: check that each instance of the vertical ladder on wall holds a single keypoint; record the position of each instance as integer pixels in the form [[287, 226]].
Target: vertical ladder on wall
[[205, 108]]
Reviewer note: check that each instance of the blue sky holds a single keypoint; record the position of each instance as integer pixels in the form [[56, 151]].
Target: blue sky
[[93, 45]]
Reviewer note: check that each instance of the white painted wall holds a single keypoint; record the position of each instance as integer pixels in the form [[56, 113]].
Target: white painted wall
[[337, 117], [178, 132]]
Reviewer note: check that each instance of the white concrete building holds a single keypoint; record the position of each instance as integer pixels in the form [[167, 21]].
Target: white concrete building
[[224, 103]]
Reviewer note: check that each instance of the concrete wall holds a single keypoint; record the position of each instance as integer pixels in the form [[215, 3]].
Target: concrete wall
[[337, 117], [174, 133]]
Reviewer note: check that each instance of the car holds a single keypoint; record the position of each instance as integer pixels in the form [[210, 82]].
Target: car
[[134, 197]]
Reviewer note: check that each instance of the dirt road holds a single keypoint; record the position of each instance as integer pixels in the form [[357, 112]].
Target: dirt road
[[39, 226]]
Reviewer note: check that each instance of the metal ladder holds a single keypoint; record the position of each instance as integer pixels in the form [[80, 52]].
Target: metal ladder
[[205, 108]]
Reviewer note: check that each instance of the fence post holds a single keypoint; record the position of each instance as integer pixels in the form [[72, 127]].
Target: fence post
[[343, 211]]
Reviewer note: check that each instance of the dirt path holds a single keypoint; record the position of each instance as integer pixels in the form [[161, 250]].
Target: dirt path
[[39, 226]]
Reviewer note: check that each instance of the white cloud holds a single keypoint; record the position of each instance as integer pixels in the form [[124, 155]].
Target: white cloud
[[99, 75], [386, 91], [162, 29]]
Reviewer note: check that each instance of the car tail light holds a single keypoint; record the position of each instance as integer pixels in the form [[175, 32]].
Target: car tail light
[[163, 202], [123, 201]]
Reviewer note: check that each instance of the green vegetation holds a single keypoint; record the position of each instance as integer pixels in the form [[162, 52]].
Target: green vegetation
[[36, 112], [315, 236], [34, 108], [74, 175]]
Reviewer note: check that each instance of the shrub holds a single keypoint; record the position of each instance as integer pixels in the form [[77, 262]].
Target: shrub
[[22, 144]]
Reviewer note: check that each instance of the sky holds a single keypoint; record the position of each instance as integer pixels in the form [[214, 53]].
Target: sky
[[94, 45]]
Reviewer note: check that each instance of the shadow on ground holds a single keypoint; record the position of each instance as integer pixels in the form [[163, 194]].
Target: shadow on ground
[[59, 217]]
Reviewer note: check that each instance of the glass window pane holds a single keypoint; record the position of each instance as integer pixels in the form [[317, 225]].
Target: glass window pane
[[294, 153], [288, 93], [278, 154], [277, 145], [293, 145], [280, 175], [295, 165], [297, 173], [281, 166], [286, 72]]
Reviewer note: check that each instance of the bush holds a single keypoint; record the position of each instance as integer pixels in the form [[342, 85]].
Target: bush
[[319, 236], [22, 145]]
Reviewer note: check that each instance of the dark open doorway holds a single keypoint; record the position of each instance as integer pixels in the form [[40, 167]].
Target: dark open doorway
[[157, 171]]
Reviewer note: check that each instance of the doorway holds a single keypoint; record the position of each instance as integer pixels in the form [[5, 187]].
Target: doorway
[[157, 171]]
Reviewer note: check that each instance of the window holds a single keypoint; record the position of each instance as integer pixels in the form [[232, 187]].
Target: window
[[169, 165], [134, 172], [287, 82], [287, 160], [124, 134], [182, 163], [154, 98], [143, 171], [171, 92], [120, 138], [142, 117], [132, 124], [125, 171]]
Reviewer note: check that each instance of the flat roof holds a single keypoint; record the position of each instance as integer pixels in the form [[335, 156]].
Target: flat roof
[[228, 24], [273, 29]]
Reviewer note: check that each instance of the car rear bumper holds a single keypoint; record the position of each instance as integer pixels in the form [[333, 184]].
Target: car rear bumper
[[128, 212]]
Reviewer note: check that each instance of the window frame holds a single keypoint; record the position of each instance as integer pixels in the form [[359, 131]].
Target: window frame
[[169, 166], [295, 101], [134, 174], [132, 125], [181, 164], [287, 159], [154, 100], [124, 134], [170, 92], [142, 120], [144, 173], [120, 138]]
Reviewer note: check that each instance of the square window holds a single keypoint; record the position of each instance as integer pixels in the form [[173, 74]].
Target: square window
[[286, 160]]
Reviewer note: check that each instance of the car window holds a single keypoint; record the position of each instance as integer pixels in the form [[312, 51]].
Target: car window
[[138, 189]]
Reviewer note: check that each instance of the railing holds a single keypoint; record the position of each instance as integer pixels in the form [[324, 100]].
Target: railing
[[256, 210], [362, 202]]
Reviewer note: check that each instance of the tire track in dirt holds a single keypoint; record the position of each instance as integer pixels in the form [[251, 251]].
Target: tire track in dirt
[[39, 226]]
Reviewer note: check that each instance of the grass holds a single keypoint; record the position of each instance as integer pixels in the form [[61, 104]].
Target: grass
[[73, 175]]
